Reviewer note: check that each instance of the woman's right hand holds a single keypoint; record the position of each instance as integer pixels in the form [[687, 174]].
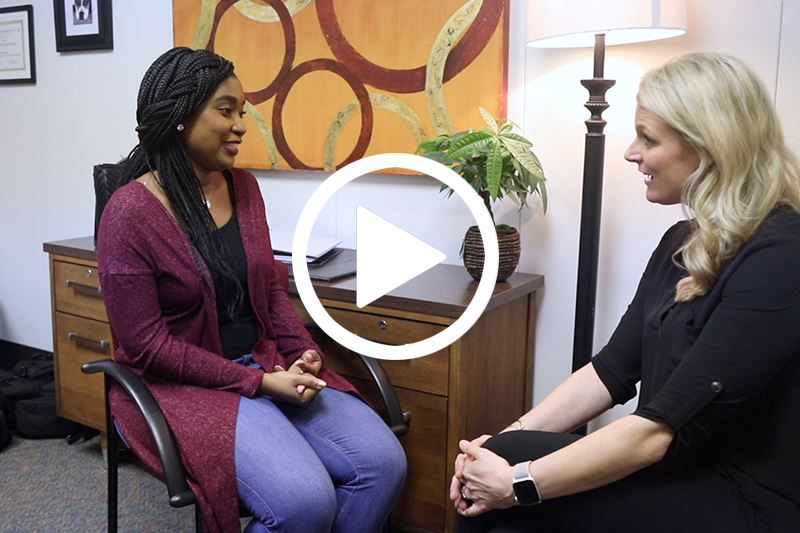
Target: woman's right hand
[[293, 387]]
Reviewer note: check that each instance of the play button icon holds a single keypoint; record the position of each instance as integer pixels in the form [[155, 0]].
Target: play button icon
[[387, 256]]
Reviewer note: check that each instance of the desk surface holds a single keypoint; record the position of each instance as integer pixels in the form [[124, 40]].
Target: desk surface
[[444, 290]]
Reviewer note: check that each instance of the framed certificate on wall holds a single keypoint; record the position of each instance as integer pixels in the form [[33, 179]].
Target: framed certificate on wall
[[17, 59]]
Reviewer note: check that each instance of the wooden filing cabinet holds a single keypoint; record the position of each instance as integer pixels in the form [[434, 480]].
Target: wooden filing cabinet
[[477, 385], [80, 330]]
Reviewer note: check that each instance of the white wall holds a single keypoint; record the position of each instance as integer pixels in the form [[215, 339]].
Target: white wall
[[81, 112]]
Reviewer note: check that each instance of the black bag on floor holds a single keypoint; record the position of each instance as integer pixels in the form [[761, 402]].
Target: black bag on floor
[[5, 432], [14, 388], [36, 418], [38, 367]]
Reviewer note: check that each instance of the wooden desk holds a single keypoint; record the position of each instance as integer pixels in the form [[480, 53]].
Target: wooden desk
[[80, 330], [477, 385]]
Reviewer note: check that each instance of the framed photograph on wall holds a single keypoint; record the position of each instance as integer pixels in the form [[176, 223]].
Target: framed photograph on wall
[[17, 58], [83, 25]]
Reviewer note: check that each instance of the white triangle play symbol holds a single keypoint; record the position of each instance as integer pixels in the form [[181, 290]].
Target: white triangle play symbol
[[387, 257]]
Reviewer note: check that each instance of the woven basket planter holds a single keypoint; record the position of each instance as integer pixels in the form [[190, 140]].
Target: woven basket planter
[[507, 238]]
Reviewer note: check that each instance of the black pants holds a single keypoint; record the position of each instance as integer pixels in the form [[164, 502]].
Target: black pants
[[666, 497]]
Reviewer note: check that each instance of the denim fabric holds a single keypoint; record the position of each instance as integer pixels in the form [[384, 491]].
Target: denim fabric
[[333, 466]]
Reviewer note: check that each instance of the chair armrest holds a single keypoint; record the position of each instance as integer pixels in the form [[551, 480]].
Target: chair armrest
[[180, 495], [398, 420]]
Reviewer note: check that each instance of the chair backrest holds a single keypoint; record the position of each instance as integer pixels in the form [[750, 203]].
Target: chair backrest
[[106, 180]]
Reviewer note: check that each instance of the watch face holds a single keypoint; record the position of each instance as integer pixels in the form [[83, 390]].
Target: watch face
[[526, 492]]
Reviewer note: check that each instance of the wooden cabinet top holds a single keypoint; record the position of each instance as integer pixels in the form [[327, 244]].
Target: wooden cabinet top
[[444, 290]]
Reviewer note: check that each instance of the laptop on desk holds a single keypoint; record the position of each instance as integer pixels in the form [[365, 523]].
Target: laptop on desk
[[341, 265]]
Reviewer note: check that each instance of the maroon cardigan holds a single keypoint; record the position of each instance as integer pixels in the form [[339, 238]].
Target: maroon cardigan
[[161, 306]]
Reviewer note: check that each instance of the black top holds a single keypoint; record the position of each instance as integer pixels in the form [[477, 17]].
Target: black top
[[240, 334], [723, 370]]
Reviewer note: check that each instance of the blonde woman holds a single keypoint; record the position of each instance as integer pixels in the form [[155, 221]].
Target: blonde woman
[[712, 337]]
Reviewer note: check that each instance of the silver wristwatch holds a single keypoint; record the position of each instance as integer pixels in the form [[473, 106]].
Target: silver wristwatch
[[526, 492]]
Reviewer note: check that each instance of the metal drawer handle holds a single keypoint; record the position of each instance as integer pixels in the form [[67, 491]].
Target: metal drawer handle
[[82, 287], [382, 324], [85, 340]]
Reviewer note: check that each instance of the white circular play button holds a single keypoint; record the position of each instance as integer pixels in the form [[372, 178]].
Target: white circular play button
[[387, 256]]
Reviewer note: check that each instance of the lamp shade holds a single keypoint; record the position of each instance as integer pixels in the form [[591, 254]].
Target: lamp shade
[[574, 23]]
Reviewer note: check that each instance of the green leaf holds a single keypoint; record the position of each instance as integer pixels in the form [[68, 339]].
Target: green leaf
[[469, 145], [543, 194], [432, 144], [526, 158], [439, 157], [494, 171], [518, 138], [489, 119]]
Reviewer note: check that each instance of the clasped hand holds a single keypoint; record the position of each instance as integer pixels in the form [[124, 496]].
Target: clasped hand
[[298, 384], [483, 480]]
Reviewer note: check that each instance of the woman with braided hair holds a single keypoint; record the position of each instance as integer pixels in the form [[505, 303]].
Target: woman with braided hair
[[711, 338], [197, 310]]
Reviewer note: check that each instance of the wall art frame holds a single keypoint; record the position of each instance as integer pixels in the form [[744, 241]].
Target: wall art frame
[[17, 54], [83, 25], [328, 82]]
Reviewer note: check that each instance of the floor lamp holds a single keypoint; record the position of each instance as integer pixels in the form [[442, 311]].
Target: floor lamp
[[583, 23]]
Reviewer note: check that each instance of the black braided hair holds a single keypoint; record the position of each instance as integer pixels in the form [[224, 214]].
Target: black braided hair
[[174, 86]]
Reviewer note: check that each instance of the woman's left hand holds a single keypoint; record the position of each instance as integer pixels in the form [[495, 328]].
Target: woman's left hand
[[483, 477], [308, 363]]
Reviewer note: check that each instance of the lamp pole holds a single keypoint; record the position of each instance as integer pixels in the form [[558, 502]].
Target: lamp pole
[[591, 205]]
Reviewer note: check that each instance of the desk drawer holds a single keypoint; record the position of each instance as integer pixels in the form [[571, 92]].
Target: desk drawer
[[80, 397], [422, 503], [425, 374], [77, 290], [384, 329]]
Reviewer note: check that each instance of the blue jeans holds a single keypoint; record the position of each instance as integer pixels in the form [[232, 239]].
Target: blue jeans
[[332, 466]]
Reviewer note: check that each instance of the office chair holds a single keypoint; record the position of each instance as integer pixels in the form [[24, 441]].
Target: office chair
[[180, 495], [106, 179]]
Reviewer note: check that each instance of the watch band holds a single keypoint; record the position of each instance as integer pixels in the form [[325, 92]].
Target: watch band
[[526, 492]]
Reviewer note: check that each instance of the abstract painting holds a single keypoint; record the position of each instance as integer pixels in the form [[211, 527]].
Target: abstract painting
[[331, 81]]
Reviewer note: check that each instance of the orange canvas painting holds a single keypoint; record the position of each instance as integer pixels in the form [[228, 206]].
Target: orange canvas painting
[[331, 81]]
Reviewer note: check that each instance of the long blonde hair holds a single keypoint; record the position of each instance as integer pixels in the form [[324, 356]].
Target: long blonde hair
[[722, 110]]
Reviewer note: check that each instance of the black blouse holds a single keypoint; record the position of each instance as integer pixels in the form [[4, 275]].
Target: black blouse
[[240, 333], [723, 370]]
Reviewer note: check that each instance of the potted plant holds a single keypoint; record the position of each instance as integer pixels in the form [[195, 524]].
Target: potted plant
[[496, 162]]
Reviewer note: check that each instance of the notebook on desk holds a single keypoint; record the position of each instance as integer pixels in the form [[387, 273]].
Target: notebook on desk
[[342, 265]]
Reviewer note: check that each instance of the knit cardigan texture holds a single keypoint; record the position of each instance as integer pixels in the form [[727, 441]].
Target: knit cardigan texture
[[159, 295]]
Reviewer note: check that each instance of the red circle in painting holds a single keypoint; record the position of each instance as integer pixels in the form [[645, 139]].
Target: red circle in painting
[[358, 88], [406, 81], [290, 46]]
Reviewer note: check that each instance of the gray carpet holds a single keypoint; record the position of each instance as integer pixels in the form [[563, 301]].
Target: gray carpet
[[51, 486]]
